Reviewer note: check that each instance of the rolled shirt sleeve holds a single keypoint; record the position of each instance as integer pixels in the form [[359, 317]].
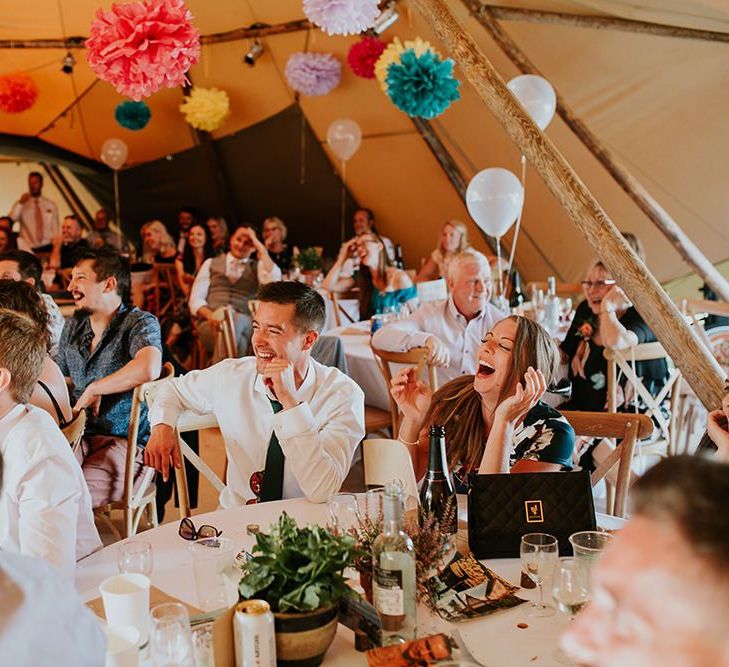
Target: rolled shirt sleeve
[[402, 335], [199, 289], [145, 332], [192, 391], [268, 276]]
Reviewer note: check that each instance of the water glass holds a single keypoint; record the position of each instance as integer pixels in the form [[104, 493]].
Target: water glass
[[342, 510], [538, 553], [216, 574], [570, 586], [587, 546], [170, 636], [135, 557], [202, 644]]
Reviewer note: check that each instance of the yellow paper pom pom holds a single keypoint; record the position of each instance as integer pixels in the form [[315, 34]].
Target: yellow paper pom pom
[[206, 108], [392, 55]]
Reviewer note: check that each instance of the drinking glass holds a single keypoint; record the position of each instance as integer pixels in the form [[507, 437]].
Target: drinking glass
[[215, 571], [203, 647], [342, 510], [538, 555], [571, 592], [170, 636], [135, 558], [587, 546]]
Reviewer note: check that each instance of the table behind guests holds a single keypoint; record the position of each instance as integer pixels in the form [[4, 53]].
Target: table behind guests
[[496, 640]]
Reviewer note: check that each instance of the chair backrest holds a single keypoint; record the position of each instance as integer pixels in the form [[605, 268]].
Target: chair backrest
[[386, 460], [695, 306], [417, 357], [74, 430], [164, 277], [571, 290], [226, 329], [622, 360], [628, 428], [337, 309]]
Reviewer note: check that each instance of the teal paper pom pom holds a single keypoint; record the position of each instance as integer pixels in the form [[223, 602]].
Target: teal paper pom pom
[[132, 115], [422, 85]]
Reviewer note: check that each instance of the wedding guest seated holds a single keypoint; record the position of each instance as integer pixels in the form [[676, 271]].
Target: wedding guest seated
[[51, 391], [36, 596], [363, 222], [107, 349], [382, 287], [494, 421], [660, 590], [158, 247], [452, 329], [20, 265], [45, 507], [186, 217], [218, 229], [274, 234], [102, 235], [290, 424], [198, 248], [231, 280], [68, 244], [7, 241], [453, 240], [605, 319]]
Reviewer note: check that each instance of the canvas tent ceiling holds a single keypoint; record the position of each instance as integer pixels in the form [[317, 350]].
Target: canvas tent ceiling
[[659, 103]]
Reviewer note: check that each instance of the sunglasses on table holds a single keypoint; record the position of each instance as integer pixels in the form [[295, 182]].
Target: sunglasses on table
[[587, 284], [187, 531]]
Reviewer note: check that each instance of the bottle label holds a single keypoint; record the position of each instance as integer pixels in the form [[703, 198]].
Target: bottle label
[[387, 592]]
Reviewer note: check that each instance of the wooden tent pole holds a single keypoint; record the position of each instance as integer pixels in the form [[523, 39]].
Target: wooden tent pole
[[68, 194], [630, 185], [605, 23], [698, 366]]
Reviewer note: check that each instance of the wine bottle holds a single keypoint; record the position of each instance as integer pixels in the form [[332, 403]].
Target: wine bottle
[[393, 572], [517, 296], [437, 494], [399, 263]]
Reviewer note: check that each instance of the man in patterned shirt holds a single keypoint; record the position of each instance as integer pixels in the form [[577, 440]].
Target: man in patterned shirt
[[107, 349]]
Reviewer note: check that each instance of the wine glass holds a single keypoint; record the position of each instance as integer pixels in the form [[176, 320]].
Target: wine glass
[[135, 557], [571, 592], [538, 555], [342, 509], [170, 636]]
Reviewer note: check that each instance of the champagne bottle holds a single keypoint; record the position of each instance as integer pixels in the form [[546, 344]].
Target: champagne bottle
[[393, 573], [437, 494], [517, 296], [399, 263]]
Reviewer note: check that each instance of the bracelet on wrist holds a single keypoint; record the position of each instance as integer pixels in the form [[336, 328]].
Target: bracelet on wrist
[[405, 442]]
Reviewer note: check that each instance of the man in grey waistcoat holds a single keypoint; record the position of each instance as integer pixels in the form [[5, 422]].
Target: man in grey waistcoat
[[231, 280]]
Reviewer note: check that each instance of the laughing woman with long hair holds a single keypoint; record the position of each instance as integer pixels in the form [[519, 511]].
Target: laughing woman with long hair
[[494, 420]]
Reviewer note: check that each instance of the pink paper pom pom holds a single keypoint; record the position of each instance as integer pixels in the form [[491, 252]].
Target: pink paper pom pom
[[140, 47], [18, 92], [313, 73], [342, 17], [363, 56]]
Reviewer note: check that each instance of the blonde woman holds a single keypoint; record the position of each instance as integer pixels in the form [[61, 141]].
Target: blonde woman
[[453, 239], [157, 244], [494, 420], [274, 235]]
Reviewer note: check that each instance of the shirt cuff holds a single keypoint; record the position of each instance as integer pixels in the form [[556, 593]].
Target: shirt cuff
[[293, 422], [418, 339], [164, 415]]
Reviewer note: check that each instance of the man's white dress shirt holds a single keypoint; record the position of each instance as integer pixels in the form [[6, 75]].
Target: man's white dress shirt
[[462, 338], [318, 437], [45, 505], [28, 226], [43, 620], [233, 271]]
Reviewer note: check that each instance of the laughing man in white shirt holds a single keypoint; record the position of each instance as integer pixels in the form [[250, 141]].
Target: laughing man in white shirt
[[290, 424], [452, 329], [45, 505], [231, 280]]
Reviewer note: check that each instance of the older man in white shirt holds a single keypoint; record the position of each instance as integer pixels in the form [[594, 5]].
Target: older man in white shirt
[[452, 329], [231, 280], [37, 214], [45, 505], [290, 424]]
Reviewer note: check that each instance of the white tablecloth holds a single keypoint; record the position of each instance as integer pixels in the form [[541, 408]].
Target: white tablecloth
[[494, 640], [349, 306]]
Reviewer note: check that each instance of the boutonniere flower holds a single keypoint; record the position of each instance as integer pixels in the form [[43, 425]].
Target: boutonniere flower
[[586, 331]]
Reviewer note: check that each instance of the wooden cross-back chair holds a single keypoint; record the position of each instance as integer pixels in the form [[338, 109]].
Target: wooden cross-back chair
[[340, 314], [418, 357], [74, 430], [164, 282], [225, 339], [626, 427], [622, 360], [135, 503]]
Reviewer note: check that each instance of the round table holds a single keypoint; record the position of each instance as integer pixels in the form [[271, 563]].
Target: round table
[[494, 640]]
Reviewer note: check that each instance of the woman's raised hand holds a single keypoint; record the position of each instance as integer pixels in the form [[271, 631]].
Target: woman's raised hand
[[411, 395], [514, 407]]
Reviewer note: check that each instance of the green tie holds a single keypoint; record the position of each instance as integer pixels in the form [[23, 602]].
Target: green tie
[[273, 474]]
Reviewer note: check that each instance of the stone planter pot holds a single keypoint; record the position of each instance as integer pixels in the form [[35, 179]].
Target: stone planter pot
[[302, 639]]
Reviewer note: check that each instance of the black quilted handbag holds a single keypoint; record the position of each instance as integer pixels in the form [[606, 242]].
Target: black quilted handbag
[[502, 508]]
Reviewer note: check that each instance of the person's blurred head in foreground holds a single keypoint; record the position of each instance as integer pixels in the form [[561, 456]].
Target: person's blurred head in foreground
[[661, 590]]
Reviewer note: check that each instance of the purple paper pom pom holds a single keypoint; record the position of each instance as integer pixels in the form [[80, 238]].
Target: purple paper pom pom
[[342, 17], [313, 73]]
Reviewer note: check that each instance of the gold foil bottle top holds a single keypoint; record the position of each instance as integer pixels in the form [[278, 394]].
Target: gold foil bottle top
[[254, 607]]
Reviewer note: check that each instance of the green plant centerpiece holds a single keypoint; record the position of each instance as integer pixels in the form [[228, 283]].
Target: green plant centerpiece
[[309, 259], [298, 571]]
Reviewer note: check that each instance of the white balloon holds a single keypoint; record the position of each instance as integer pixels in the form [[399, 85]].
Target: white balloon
[[537, 97], [494, 199], [114, 153], [344, 137]]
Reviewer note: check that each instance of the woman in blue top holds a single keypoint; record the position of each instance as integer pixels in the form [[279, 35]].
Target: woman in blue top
[[382, 287], [494, 421]]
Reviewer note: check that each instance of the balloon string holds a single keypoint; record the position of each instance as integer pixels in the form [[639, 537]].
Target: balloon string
[[498, 257], [343, 211], [518, 220], [117, 207]]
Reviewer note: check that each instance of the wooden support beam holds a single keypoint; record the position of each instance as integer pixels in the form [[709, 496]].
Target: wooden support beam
[[605, 23], [685, 247], [68, 194], [700, 369]]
